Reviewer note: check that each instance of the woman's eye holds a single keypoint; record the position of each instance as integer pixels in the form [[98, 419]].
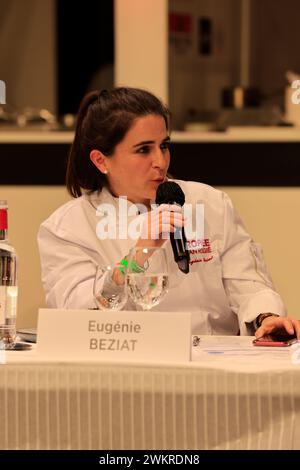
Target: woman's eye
[[144, 149], [165, 146]]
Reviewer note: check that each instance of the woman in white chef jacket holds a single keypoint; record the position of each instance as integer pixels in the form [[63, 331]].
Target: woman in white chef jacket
[[121, 154]]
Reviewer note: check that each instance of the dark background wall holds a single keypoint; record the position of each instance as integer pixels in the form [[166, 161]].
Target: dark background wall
[[274, 45], [85, 44]]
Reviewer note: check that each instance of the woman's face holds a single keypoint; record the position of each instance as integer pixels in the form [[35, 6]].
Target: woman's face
[[140, 161]]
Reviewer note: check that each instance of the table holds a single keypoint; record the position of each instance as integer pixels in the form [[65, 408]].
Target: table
[[225, 399]]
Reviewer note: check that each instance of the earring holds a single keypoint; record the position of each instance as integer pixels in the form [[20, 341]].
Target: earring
[[105, 172]]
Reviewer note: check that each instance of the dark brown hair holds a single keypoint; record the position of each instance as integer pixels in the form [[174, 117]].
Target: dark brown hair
[[103, 120]]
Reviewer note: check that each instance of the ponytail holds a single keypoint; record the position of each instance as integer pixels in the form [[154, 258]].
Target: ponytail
[[78, 151]]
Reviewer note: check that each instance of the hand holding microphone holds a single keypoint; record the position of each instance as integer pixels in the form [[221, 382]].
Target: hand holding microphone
[[171, 193], [159, 223], [167, 221]]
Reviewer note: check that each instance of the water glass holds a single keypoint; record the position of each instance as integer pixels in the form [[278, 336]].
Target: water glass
[[107, 293], [147, 276]]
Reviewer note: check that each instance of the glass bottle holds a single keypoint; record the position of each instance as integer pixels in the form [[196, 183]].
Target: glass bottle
[[8, 284]]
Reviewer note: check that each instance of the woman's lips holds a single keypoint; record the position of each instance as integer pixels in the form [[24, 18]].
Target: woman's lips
[[159, 180]]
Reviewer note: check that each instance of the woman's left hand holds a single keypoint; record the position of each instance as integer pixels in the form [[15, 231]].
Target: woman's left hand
[[280, 326]]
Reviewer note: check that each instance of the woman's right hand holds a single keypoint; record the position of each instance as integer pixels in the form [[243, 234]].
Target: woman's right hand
[[156, 228], [159, 223]]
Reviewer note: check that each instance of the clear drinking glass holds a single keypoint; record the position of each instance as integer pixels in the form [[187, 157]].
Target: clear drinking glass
[[107, 293], [147, 277]]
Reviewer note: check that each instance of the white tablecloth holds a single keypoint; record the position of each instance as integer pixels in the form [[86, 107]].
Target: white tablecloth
[[224, 400]]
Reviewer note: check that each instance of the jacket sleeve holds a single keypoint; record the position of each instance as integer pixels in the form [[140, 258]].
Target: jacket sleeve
[[247, 283], [68, 269]]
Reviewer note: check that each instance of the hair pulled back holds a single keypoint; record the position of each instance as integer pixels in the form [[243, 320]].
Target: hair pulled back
[[103, 120]]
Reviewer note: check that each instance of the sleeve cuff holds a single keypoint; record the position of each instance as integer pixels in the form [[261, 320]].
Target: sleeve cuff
[[263, 302]]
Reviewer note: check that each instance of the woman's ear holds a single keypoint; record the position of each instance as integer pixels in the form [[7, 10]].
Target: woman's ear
[[99, 160]]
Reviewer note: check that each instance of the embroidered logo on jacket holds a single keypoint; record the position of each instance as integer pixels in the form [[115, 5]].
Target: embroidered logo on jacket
[[199, 250]]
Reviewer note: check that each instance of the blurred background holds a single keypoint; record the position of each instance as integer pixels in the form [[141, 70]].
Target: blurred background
[[224, 67], [53, 51]]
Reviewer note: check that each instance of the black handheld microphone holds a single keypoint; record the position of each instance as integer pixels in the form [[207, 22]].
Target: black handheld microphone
[[171, 193]]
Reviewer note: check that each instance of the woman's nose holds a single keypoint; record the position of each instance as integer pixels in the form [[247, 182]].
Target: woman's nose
[[159, 159]]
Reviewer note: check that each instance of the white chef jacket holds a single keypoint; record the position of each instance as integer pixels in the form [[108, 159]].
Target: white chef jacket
[[227, 287]]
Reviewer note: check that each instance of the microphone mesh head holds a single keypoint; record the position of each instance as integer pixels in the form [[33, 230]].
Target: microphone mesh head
[[169, 192]]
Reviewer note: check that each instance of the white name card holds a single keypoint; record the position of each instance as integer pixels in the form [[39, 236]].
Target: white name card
[[123, 335]]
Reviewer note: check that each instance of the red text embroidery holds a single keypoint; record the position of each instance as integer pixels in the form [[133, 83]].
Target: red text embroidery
[[197, 247]]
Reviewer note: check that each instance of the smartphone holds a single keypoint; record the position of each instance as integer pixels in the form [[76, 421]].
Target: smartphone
[[275, 340]]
